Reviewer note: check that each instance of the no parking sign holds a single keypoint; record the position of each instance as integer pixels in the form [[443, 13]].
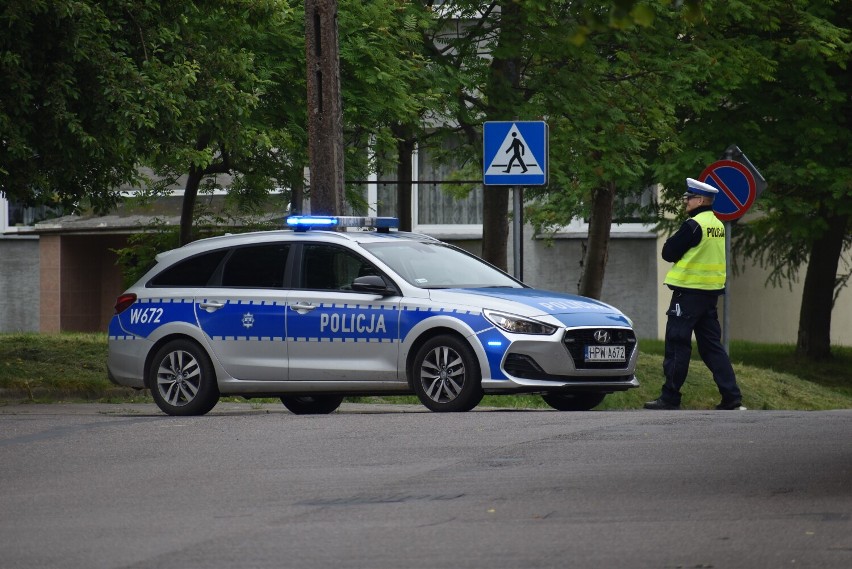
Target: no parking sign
[[739, 184]]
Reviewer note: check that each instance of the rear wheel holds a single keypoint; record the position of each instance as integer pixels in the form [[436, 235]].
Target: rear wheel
[[311, 404], [182, 380], [446, 375], [573, 401]]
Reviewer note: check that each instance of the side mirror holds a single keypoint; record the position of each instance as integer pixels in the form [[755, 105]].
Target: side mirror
[[372, 284]]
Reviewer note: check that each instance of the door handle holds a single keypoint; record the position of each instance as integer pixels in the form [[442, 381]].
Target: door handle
[[211, 305], [303, 307]]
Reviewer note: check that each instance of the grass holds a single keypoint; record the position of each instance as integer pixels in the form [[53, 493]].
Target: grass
[[58, 367], [72, 367]]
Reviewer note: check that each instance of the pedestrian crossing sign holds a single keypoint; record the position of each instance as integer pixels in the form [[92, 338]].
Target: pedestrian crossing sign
[[514, 153]]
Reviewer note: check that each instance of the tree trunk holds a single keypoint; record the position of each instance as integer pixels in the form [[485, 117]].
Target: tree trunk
[[188, 205], [504, 102], [597, 249], [297, 198], [818, 295], [495, 225], [404, 175]]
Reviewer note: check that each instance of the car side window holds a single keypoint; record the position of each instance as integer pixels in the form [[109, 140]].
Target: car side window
[[258, 266], [332, 268], [193, 272]]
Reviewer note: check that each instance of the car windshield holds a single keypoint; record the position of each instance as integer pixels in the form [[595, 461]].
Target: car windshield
[[438, 265]]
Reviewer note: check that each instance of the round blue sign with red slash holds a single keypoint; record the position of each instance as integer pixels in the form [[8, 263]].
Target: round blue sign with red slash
[[736, 185]]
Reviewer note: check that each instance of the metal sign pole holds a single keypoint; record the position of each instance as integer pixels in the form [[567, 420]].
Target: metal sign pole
[[725, 302], [740, 184], [517, 233]]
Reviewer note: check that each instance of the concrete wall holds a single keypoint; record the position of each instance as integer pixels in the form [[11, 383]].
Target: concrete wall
[[759, 310], [19, 285]]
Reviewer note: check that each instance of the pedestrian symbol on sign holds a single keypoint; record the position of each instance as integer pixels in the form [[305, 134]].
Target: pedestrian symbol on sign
[[518, 149]]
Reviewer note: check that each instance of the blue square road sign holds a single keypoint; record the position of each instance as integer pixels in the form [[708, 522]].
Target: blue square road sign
[[515, 153]]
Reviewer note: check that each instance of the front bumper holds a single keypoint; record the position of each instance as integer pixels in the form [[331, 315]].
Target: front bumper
[[556, 363]]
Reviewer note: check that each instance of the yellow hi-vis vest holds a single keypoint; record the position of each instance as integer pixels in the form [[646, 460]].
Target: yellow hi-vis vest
[[703, 266]]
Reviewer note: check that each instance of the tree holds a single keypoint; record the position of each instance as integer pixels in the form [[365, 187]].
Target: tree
[[490, 46], [506, 49], [70, 103], [236, 105], [250, 117], [791, 117], [610, 107], [91, 91], [802, 143], [387, 88], [572, 63]]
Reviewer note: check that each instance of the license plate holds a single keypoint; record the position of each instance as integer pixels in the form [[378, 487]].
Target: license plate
[[605, 354]]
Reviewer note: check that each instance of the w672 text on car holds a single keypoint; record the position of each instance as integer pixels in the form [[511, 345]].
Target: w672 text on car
[[311, 316]]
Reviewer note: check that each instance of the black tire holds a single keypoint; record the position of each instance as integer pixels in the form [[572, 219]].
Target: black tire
[[445, 375], [573, 401], [311, 404], [182, 379]]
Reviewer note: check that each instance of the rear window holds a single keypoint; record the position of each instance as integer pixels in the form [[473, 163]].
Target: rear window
[[193, 272]]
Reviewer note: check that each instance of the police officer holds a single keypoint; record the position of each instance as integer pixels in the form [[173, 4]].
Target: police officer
[[697, 279]]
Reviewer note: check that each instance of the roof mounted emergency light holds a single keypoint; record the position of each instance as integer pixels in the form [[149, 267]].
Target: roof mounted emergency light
[[305, 222]]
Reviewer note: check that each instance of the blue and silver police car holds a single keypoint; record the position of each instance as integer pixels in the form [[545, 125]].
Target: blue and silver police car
[[311, 315]]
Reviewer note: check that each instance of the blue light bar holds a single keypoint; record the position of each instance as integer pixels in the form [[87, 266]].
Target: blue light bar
[[305, 222]]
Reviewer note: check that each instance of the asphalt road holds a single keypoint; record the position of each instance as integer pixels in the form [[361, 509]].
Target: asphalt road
[[123, 486]]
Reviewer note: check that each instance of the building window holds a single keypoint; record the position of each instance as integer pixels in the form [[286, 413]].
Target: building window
[[440, 204], [14, 214]]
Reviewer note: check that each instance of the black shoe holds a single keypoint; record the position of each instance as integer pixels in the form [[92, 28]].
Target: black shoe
[[660, 405], [729, 405]]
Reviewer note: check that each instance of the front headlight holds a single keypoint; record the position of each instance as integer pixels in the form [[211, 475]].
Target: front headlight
[[518, 324]]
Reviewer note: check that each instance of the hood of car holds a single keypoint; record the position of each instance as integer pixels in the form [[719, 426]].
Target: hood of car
[[570, 309]]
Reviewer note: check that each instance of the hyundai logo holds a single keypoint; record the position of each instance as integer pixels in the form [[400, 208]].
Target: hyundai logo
[[602, 336]]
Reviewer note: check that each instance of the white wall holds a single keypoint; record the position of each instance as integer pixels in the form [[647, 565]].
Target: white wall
[[760, 312], [768, 314]]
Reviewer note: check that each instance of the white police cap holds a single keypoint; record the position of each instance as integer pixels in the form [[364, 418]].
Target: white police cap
[[696, 188]]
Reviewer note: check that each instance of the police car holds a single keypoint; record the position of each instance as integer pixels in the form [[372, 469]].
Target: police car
[[311, 315]]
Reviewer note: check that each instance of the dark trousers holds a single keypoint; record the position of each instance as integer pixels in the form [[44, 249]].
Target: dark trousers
[[695, 312]]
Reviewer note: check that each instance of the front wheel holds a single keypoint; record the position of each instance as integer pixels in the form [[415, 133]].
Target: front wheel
[[446, 376], [311, 404], [182, 380], [573, 401]]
